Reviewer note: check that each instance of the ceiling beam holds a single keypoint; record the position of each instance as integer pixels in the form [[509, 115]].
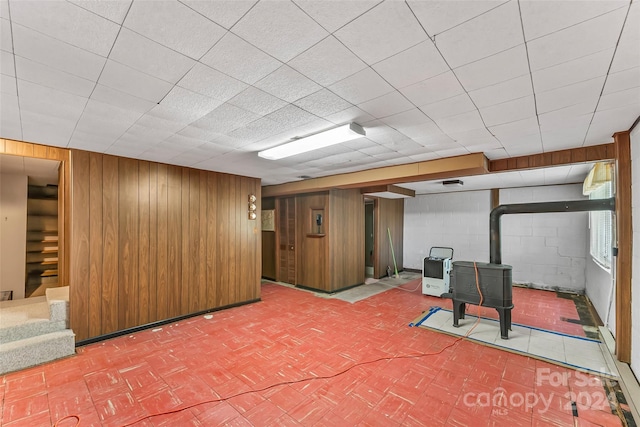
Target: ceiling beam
[[450, 167], [555, 158]]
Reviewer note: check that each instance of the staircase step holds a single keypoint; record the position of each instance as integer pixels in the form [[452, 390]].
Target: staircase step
[[33, 351]]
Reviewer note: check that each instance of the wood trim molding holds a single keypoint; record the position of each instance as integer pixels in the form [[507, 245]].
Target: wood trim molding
[[555, 158], [624, 244], [495, 198], [450, 167], [389, 189]]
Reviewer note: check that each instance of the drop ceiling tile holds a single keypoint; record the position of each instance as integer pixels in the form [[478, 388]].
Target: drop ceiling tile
[[67, 22], [120, 99], [287, 84], [627, 56], [174, 25], [361, 87], [501, 92], [449, 107], [622, 80], [540, 18], [112, 10], [623, 98], [351, 114], [133, 82], [323, 103], [46, 101], [8, 85], [257, 130], [616, 118], [257, 101], [577, 70], [99, 117], [223, 12], [560, 140], [405, 119], [382, 32], [212, 83], [518, 128], [413, 65], [510, 111], [460, 123], [149, 57], [226, 118], [56, 54], [279, 28], [533, 147], [4, 9], [10, 117], [423, 133], [7, 64], [439, 16], [238, 59], [333, 15], [153, 123], [6, 39], [493, 32], [434, 89], [291, 116], [49, 77], [494, 69], [387, 105], [557, 119], [577, 93], [185, 106], [45, 128], [327, 62], [575, 42]]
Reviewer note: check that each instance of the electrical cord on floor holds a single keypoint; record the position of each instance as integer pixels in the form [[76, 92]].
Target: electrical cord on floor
[[323, 377]]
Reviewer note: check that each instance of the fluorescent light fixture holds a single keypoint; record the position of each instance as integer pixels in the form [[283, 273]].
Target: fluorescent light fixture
[[333, 136]]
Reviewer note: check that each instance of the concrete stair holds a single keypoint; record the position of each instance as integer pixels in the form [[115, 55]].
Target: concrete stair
[[35, 330]]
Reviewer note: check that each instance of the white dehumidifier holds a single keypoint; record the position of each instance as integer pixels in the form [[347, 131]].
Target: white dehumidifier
[[436, 270]]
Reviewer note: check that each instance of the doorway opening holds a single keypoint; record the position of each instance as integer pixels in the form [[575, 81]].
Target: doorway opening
[[369, 238]]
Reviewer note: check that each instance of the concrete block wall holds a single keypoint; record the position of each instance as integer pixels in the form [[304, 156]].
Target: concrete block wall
[[548, 250], [635, 272], [458, 220]]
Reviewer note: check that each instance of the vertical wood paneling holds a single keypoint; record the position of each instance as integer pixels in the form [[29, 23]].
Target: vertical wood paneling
[[162, 275], [128, 243], [193, 290], [152, 241], [143, 243], [388, 216], [185, 282], [202, 244], [79, 316], [223, 240], [346, 238], [96, 244], [212, 240], [110, 245], [174, 231]]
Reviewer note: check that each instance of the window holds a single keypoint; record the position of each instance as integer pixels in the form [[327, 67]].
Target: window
[[600, 224]]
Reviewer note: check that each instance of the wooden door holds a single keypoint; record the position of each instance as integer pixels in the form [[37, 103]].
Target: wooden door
[[286, 212]]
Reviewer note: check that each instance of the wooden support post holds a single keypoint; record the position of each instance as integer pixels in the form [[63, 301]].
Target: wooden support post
[[624, 245]]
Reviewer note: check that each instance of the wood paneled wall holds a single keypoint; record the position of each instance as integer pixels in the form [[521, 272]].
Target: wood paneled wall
[[388, 216], [153, 241], [313, 250], [346, 233]]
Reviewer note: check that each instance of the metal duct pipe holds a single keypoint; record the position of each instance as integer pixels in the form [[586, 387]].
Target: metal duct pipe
[[495, 248]]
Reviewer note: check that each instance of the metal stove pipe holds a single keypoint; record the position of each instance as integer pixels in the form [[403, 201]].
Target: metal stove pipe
[[495, 248]]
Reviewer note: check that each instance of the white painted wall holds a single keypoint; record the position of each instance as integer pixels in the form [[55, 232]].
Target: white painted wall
[[547, 250], [635, 267], [13, 233], [458, 220], [599, 288]]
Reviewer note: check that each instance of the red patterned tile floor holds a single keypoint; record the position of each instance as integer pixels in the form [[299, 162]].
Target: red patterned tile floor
[[255, 365]]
